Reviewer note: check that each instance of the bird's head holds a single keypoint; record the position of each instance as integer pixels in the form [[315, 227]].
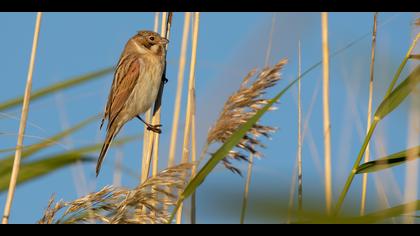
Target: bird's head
[[150, 40]]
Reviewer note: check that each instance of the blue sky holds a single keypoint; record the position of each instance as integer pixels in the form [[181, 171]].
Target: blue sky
[[229, 46]]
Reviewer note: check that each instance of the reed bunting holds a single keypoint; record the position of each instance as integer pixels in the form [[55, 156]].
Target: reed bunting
[[135, 86]]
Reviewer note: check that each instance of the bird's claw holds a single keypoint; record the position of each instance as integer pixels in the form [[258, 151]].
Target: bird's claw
[[155, 128]]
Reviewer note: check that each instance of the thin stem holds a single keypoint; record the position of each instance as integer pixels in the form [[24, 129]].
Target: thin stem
[[22, 125], [191, 89], [246, 191], [193, 157], [251, 158], [177, 105], [148, 115], [326, 112], [299, 151], [270, 42], [356, 164], [153, 144], [402, 65], [369, 115]]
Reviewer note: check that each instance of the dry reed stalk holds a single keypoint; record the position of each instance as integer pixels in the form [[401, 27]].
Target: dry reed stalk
[[251, 158], [148, 114], [116, 205], [369, 114], [326, 112], [177, 106], [193, 158], [299, 151], [190, 102], [270, 40], [22, 125], [153, 143], [246, 190]]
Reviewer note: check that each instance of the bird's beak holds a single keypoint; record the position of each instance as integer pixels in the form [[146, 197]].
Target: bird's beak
[[164, 41]]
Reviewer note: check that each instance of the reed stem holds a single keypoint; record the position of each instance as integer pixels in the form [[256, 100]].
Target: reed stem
[[177, 105], [148, 114], [299, 151], [191, 91], [326, 112], [153, 144], [22, 125], [369, 115]]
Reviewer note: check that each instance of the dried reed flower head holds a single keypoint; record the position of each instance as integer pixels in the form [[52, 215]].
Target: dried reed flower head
[[417, 22], [147, 203], [239, 108]]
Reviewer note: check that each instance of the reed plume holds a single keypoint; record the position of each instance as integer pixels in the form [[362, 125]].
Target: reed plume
[[239, 108], [118, 205]]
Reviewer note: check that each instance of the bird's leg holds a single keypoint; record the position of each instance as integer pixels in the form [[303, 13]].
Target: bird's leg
[[154, 128]]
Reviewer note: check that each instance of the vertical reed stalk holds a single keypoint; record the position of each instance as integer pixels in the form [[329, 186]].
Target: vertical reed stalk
[[369, 114], [299, 151], [292, 194], [326, 111], [177, 106], [270, 42], [148, 115], [22, 125], [246, 191], [191, 91], [153, 144], [193, 157], [251, 158]]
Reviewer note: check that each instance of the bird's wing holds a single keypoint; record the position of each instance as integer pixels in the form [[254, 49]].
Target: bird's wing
[[126, 75]]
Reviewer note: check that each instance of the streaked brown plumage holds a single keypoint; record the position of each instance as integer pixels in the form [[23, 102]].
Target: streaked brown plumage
[[136, 84]]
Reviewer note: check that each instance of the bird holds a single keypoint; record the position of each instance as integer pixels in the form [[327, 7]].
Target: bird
[[135, 86]]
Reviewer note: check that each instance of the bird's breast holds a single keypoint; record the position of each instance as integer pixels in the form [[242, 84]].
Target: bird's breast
[[147, 87]]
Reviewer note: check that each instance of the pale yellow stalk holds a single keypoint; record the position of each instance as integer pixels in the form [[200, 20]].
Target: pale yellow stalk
[[326, 112], [22, 125], [369, 114], [193, 157], [177, 105], [148, 114], [299, 151], [191, 91], [153, 144]]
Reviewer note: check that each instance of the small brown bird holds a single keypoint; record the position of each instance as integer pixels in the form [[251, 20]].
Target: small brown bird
[[135, 86]]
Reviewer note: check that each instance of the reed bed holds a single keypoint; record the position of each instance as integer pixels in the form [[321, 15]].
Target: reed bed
[[236, 135]]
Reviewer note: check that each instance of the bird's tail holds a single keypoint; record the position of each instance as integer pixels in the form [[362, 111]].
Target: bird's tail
[[112, 132]]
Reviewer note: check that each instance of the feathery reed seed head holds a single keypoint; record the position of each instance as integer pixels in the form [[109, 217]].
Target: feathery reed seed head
[[117, 205], [239, 108]]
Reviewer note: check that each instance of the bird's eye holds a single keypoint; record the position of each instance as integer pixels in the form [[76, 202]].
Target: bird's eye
[[152, 38]]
